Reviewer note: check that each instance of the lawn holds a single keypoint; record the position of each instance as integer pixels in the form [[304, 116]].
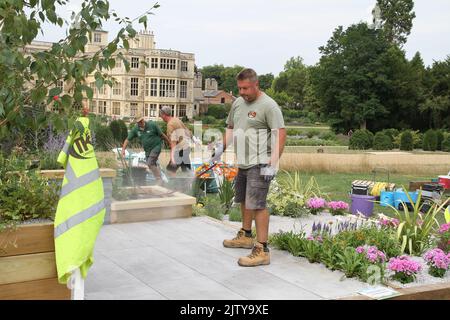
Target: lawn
[[338, 186]]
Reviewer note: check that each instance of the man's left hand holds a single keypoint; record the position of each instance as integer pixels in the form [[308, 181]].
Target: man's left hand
[[268, 172]]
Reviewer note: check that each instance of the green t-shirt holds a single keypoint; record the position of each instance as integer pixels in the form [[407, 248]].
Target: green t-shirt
[[149, 136], [252, 123]]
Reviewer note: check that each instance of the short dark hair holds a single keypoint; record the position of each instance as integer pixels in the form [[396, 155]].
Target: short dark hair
[[247, 74]]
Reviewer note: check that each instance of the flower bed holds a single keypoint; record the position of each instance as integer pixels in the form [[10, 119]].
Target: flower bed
[[366, 249]]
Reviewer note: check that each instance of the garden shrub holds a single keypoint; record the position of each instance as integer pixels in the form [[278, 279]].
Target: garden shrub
[[382, 142], [328, 136], [406, 141], [417, 139], [235, 214], [392, 133], [445, 145], [217, 111], [24, 195], [440, 138], [312, 133], [119, 131], [361, 140], [430, 140], [311, 142], [208, 120], [104, 140], [294, 132]]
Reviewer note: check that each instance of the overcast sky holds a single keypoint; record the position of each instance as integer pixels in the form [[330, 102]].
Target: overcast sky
[[263, 34]]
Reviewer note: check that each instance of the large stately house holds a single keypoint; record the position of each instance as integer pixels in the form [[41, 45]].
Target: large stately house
[[165, 79]]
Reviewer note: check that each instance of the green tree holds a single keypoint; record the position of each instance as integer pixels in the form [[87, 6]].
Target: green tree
[[292, 80], [265, 81], [348, 79], [29, 80], [228, 77], [213, 71], [437, 102], [282, 98], [400, 89], [397, 17]]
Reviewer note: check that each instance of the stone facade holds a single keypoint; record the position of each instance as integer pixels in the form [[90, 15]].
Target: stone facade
[[167, 78]]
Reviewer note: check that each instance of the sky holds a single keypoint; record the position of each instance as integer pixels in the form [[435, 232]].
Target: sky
[[264, 34]]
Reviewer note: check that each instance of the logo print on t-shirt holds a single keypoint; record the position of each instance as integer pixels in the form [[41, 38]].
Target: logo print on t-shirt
[[252, 114]]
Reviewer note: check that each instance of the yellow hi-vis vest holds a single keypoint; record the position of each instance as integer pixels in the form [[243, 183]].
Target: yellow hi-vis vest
[[81, 209]]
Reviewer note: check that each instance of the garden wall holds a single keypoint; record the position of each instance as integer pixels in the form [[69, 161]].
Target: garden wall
[[27, 264]]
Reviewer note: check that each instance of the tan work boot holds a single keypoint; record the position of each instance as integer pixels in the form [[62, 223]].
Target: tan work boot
[[258, 257], [240, 241]]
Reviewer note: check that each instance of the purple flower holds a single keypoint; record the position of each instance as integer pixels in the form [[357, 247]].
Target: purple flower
[[55, 142]]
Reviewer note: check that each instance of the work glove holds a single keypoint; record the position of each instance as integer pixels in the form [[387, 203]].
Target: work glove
[[268, 172], [218, 151]]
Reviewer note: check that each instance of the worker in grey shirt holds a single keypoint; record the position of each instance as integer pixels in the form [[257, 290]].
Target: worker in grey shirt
[[255, 126]]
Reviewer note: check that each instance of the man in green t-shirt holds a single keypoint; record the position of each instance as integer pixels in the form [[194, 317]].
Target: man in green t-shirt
[[151, 137], [255, 126]]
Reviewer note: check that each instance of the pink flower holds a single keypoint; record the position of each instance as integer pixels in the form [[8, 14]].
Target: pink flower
[[316, 203], [405, 265], [338, 205], [389, 222], [437, 258], [444, 228], [360, 249], [372, 254]]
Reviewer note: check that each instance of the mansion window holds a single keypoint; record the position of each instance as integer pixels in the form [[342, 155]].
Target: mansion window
[[117, 89], [116, 108], [167, 88], [102, 107], [183, 89], [134, 87], [135, 62], [97, 37], [182, 110], [153, 87], [154, 64], [184, 66], [150, 110], [168, 64]]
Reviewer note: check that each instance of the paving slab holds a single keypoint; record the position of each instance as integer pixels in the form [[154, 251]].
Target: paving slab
[[185, 259]]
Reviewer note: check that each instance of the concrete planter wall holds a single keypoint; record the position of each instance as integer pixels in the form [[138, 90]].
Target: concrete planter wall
[[27, 264], [161, 204], [107, 176]]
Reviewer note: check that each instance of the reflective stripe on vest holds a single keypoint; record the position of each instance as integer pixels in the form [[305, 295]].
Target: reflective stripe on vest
[[74, 183], [79, 217]]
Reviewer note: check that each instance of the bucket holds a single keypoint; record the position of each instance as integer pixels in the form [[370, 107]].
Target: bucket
[[400, 196], [445, 181], [387, 198], [362, 204]]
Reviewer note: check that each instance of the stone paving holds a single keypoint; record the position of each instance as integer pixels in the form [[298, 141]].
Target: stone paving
[[184, 259]]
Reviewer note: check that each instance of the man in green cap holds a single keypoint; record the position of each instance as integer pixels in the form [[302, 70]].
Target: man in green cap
[[150, 137]]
